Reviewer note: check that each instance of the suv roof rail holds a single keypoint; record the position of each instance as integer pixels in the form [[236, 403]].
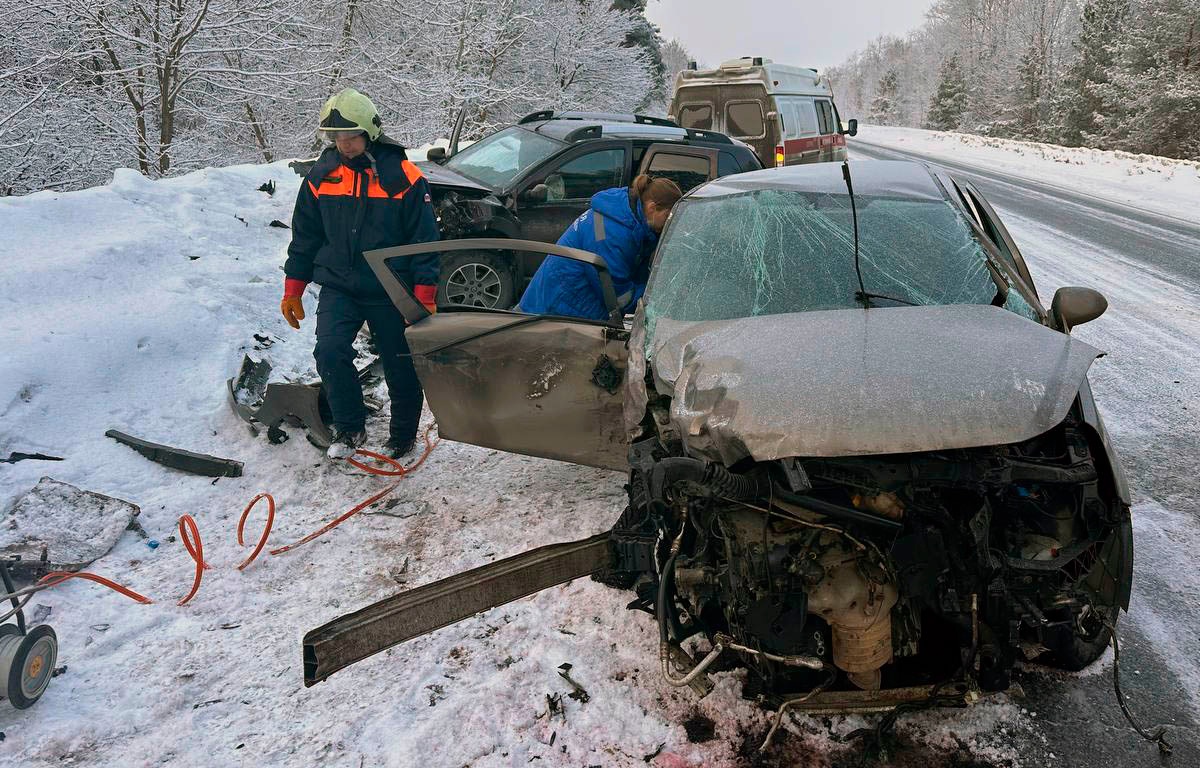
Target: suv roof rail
[[586, 132], [614, 117], [710, 136]]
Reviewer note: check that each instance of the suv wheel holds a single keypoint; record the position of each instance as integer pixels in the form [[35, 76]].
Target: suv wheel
[[476, 279]]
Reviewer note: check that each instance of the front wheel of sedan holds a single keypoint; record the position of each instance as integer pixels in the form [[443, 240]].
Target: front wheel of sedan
[[476, 279], [1073, 648]]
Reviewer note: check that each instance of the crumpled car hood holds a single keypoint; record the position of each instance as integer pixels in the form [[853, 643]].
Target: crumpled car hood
[[856, 382], [441, 176]]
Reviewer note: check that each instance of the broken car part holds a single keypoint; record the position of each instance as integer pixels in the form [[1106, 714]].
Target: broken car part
[[278, 403], [178, 458], [16, 456], [34, 540], [415, 612]]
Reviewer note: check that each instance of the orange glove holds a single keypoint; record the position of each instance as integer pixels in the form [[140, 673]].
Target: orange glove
[[292, 306], [427, 295]]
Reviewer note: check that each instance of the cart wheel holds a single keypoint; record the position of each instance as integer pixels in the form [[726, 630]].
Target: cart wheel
[[27, 663]]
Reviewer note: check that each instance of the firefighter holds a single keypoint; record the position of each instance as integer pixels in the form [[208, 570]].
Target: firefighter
[[362, 194], [621, 226]]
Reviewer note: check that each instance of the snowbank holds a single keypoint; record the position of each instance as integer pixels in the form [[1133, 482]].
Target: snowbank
[[1158, 184]]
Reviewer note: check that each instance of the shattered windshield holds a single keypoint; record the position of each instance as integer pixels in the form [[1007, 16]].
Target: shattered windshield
[[772, 251], [503, 156]]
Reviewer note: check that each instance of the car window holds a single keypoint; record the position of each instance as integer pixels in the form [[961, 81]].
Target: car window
[[586, 175], [778, 251], [687, 171], [500, 158], [744, 119], [698, 116], [727, 164]]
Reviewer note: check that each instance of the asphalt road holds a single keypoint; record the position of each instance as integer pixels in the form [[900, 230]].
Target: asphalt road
[[1148, 388]]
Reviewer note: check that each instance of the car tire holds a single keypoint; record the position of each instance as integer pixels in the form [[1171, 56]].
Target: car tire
[[1074, 649], [476, 279]]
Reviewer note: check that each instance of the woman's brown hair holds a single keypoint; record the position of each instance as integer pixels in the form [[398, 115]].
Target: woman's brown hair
[[662, 192]]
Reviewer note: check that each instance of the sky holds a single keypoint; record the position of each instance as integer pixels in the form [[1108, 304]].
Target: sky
[[802, 32]]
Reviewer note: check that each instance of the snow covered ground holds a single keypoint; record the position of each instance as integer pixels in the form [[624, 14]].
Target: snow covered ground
[[1159, 184], [127, 306]]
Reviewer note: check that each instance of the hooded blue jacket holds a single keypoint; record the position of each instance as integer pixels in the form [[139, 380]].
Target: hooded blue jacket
[[572, 288]]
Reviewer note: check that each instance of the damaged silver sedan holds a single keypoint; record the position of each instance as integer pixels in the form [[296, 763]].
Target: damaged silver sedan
[[864, 460]]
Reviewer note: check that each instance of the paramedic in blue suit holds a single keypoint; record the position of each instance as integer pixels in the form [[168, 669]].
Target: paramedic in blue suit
[[622, 227]]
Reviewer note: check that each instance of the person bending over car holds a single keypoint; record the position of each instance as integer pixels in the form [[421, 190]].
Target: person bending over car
[[622, 226], [362, 194]]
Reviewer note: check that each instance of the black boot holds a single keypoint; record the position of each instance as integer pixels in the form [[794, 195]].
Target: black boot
[[345, 443], [399, 447]]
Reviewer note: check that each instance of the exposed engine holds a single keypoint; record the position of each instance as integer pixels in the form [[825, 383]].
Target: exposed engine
[[882, 572]]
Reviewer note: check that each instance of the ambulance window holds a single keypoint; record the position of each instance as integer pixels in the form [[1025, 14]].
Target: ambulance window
[[806, 117], [744, 119], [698, 116], [825, 117]]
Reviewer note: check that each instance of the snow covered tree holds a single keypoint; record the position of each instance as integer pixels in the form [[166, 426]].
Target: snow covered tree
[[950, 101], [1080, 105], [166, 86], [644, 35], [1151, 102], [884, 107]]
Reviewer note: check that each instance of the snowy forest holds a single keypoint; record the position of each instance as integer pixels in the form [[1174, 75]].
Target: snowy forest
[[169, 86], [1108, 74]]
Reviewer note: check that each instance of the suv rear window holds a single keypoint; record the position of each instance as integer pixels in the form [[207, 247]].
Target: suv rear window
[[698, 116], [744, 119], [687, 171]]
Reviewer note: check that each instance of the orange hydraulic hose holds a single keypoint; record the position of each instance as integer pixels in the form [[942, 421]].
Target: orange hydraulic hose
[[262, 540], [54, 578], [338, 520], [398, 472], [189, 532], [191, 540], [197, 554]]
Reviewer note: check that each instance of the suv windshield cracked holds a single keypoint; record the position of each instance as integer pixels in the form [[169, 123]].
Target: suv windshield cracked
[[770, 251], [500, 158]]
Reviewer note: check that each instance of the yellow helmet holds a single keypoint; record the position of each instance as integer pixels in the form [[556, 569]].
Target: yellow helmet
[[349, 110]]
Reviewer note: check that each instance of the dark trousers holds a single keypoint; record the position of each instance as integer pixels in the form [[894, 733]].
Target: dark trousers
[[339, 318]]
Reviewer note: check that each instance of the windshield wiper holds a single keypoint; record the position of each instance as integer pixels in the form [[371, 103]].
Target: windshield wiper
[[862, 294], [865, 298]]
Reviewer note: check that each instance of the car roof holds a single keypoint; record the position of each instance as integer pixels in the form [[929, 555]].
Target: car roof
[[573, 129], [560, 128], [890, 178]]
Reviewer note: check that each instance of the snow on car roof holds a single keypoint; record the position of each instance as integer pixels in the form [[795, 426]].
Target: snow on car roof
[[891, 178]]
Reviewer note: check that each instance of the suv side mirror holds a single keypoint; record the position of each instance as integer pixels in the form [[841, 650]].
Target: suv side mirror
[[851, 127], [437, 155], [1076, 306], [538, 193]]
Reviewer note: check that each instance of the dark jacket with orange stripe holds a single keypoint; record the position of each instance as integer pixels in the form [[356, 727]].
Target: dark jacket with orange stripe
[[346, 207]]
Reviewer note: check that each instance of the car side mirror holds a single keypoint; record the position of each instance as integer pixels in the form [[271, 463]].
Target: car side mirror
[[1076, 306], [851, 127], [437, 155], [538, 193]]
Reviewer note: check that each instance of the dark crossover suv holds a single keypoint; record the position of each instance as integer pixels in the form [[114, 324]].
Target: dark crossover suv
[[530, 181], [863, 458]]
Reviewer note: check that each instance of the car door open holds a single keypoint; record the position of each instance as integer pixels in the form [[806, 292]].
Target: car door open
[[537, 385]]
